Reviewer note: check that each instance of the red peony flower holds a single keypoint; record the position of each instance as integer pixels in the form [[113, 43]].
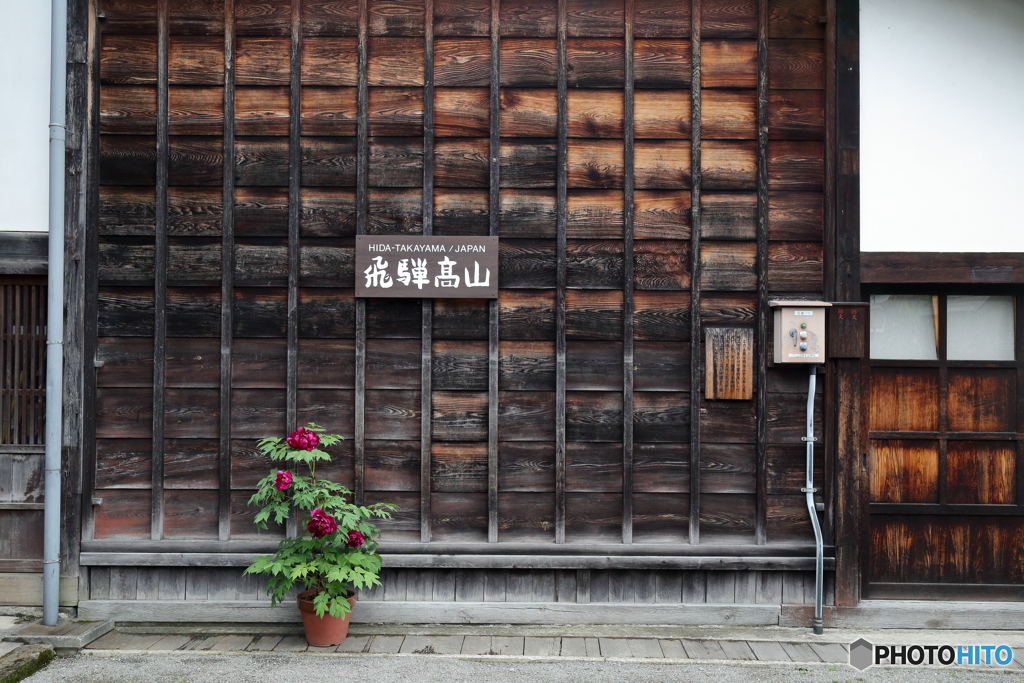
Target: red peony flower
[[283, 481], [321, 523], [355, 539], [303, 440]]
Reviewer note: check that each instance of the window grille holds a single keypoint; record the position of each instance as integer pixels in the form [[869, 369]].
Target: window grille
[[22, 363]]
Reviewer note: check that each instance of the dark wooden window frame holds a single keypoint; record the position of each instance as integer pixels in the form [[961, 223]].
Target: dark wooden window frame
[[944, 434]]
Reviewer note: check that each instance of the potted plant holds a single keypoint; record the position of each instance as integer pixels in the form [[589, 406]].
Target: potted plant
[[336, 553]]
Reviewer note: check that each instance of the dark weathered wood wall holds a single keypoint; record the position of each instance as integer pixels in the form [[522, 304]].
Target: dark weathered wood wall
[[653, 168]]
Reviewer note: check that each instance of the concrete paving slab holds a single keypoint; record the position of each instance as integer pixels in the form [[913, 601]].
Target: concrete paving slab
[[614, 647], [673, 649], [354, 644], [476, 645], [768, 651], [264, 643], [703, 649], [831, 652], [292, 644], [645, 648], [801, 652], [502, 645], [170, 642], [232, 643], [541, 647], [386, 644], [573, 647], [737, 649]]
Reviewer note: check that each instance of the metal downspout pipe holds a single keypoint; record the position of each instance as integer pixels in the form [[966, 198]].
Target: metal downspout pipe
[[55, 314], [812, 508]]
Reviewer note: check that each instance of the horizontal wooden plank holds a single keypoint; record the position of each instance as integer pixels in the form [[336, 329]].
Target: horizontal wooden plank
[[661, 63], [25, 589], [796, 64], [729, 64], [932, 614], [494, 561], [262, 546], [397, 612], [935, 267]]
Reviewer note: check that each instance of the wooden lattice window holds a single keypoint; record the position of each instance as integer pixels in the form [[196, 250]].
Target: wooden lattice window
[[22, 361]]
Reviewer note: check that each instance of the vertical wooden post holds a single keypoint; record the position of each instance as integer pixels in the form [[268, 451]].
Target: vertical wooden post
[[160, 275], [696, 357], [77, 201], [560, 184], [90, 280], [426, 355], [362, 215], [627, 282], [227, 274], [294, 183], [851, 518], [494, 208], [761, 342]]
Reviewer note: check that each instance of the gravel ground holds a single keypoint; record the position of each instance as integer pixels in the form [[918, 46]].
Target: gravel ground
[[306, 668]]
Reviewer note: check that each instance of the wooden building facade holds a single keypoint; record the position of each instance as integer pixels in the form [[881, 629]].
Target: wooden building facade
[[656, 172]]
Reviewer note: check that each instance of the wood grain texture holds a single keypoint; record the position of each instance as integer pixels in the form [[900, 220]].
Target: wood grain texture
[[796, 64], [662, 63], [904, 471], [729, 364], [729, 64]]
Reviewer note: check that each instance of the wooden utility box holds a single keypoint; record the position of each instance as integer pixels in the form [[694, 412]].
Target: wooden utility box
[[847, 330]]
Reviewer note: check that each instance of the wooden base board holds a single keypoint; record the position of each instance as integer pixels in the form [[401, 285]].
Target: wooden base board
[[25, 589], [912, 614], [385, 612]]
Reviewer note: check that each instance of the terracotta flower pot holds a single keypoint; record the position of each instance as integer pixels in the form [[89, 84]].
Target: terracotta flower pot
[[323, 631]]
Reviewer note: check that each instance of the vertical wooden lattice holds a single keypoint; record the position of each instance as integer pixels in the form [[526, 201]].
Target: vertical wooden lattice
[[22, 363]]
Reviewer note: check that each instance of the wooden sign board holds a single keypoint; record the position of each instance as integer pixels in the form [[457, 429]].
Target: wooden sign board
[[847, 330], [426, 267], [729, 363]]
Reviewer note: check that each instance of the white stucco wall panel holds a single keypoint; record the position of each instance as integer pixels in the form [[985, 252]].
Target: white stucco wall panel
[[24, 113], [942, 125]]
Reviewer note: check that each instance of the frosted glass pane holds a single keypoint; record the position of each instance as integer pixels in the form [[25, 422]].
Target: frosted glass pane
[[979, 328], [903, 327]]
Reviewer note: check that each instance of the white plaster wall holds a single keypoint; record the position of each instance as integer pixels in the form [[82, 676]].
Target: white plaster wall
[[24, 113], [942, 125]]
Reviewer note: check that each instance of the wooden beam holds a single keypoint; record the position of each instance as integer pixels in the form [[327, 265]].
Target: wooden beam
[[128, 547], [561, 181], [932, 615], [88, 267], [227, 274], [851, 522], [294, 185], [761, 342], [696, 357], [25, 253], [627, 277], [160, 261], [362, 217], [401, 612], [493, 208], [899, 267], [438, 561], [427, 305]]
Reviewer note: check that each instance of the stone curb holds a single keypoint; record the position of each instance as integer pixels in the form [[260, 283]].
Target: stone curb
[[523, 659], [24, 661]]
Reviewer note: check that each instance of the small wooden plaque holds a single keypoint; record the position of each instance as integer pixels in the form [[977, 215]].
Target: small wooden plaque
[[729, 363], [847, 327]]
